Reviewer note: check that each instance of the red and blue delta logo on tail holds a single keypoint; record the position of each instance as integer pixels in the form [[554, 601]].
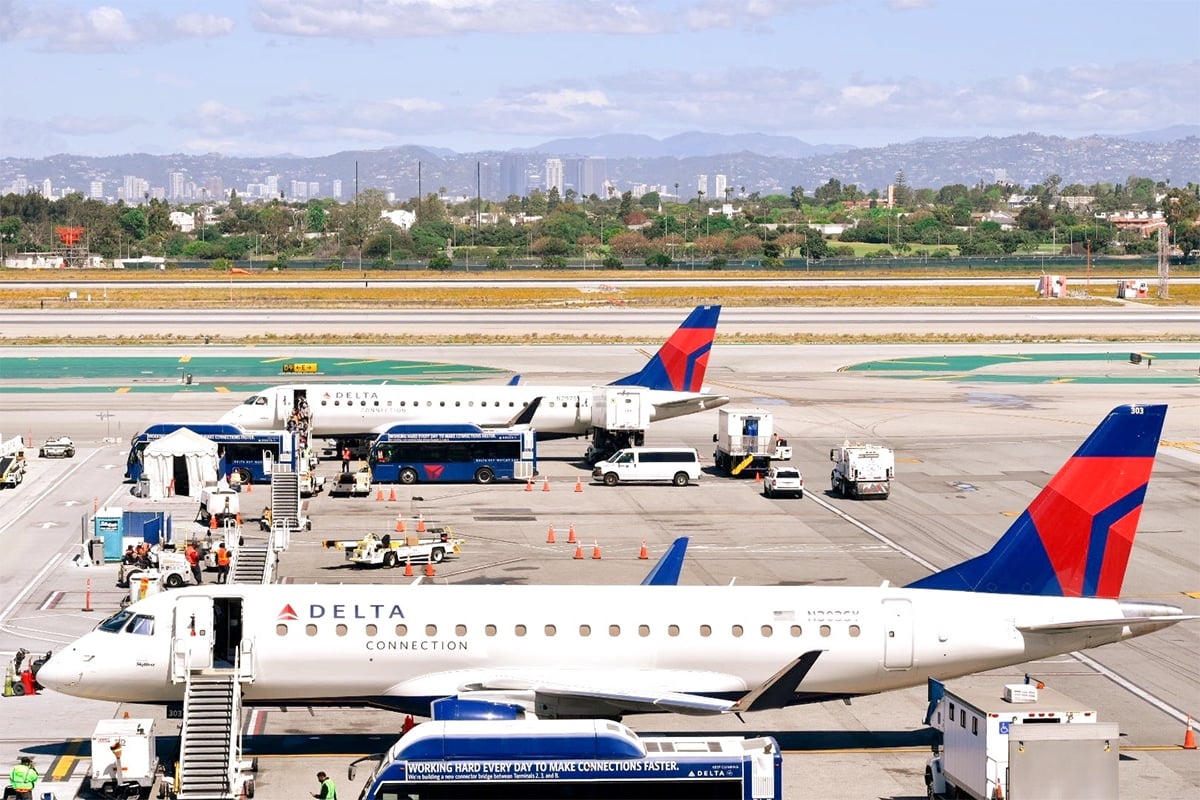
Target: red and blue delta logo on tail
[[680, 364], [1074, 539]]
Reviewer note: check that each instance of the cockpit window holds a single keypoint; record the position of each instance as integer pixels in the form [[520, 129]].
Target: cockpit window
[[116, 622], [260, 401], [142, 625]]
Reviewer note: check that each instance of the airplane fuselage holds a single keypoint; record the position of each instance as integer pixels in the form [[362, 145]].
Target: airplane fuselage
[[360, 409], [404, 646]]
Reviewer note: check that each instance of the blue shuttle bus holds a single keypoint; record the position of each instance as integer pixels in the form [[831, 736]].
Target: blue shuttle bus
[[429, 453], [250, 455], [577, 759]]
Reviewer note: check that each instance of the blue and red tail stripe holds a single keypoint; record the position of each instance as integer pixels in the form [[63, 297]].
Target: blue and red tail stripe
[[680, 364], [1074, 539]]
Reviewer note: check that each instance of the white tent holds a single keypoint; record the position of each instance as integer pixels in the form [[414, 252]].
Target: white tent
[[183, 456]]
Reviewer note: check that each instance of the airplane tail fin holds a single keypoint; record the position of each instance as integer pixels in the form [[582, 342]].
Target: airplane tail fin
[[1075, 537], [679, 365]]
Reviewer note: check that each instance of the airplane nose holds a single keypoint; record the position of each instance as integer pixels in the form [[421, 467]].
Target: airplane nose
[[62, 672]]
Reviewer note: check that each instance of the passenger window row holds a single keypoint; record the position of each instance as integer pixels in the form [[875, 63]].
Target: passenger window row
[[585, 630]]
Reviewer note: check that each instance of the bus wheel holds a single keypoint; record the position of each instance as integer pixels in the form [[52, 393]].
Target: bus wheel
[[437, 555], [244, 476], [484, 475], [408, 476]]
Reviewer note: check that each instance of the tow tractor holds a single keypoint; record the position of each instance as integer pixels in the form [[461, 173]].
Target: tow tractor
[[352, 484], [57, 447], [373, 551]]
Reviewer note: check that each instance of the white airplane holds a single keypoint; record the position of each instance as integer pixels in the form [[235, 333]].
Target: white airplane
[[674, 378], [1049, 586]]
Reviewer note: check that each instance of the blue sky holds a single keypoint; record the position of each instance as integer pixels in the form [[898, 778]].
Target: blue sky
[[311, 77]]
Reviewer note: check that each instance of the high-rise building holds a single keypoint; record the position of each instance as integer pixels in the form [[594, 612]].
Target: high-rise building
[[314, 189], [514, 176], [47, 189], [96, 190], [337, 189], [594, 177], [719, 187], [272, 187], [702, 185], [554, 175], [175, 184], [214, 189]]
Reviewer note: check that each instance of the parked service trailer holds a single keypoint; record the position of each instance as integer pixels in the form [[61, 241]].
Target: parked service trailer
[[747, 443], [620, 416], [124, 758], [1018, 741]]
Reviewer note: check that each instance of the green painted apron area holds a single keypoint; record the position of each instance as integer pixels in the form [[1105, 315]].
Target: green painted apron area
[[1094, 368], [216, 373]]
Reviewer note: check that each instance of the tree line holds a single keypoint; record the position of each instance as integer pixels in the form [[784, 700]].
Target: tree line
[[550, 228]]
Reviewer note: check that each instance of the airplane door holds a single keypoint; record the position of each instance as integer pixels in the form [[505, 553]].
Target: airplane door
[[193, 633], [898, 634]]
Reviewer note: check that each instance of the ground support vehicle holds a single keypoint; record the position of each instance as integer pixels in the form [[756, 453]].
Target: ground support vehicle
[[311, 484], [57, 447], [352, 484], [124, 760], [374, 551], [676, 465], [12, 471], [781, 481], [862, 470], [747, 443], [1023, 741], [220, 501], [620, 416], [409, 454]]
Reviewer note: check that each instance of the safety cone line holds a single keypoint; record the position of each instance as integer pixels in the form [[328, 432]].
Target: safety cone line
[[578, 485], [408, 570], [1189, 736], [529, 484], [644, 553], [550, 535], [578, 552], [596, 552], [546, 485], [571, 535], [379, 495], [392, 495], [429, 570]]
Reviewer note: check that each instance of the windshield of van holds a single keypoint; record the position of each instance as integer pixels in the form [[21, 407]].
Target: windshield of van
[[624, 458]]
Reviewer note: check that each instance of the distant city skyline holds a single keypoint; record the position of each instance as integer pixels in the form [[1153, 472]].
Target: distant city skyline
[[315, 77]]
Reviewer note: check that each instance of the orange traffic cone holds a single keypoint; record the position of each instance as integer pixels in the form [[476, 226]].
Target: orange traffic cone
[[644, 554], [420, 524], [546, 485], [529, 484], [758, 477], [578, 485], [212, 522], [571, 534], [1189, 736], [399, 524], [429, 570], [239, 520], [550, 535], [392, 495], [596, 551], [249, 487], [408, 572], [379, 495], [578, 552]]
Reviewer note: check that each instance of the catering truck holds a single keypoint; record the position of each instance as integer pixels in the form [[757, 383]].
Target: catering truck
[[1023, 740], [862, 470], [747, 443]]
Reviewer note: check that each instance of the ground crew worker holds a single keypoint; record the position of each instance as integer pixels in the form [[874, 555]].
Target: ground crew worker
[[222, 563], [192, 554], [345, 459], [23, 776], [264, 522], [328, 789]]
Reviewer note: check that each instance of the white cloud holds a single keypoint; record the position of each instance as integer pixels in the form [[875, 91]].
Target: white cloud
[[57, 28], [414, 104]]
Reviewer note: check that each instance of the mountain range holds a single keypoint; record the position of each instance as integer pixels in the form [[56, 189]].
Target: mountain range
[[751, 163]]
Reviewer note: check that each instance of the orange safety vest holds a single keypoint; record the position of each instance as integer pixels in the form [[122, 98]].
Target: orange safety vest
[[222, 557]]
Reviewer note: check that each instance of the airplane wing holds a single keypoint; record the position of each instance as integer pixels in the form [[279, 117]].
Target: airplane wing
[[582, 699], [666, 571], [526, 414]]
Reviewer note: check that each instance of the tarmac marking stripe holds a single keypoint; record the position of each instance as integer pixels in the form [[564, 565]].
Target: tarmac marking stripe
[[52, 600], [276, 360], [354, 363], [64, 764], [221, 389], [124, 390], [185, 359]]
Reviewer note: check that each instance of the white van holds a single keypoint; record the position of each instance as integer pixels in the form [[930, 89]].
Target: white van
[[679, 465]]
